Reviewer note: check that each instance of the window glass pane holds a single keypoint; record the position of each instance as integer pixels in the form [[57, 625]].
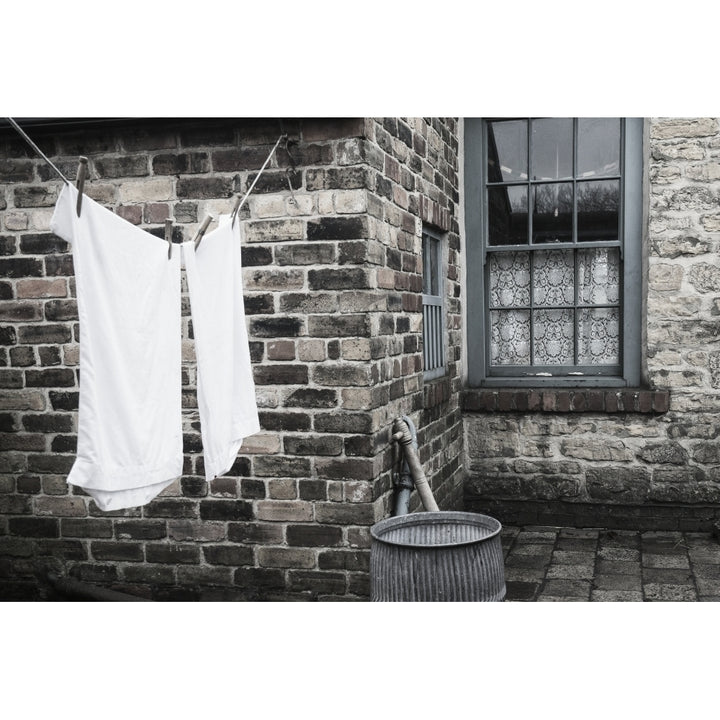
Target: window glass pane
[[554, 278], [430, 265], [433, 257], [507, 151], [554, 337], [598, 147], [597, 210], [599, 276], [510, 337], [599, 336], [552, 212], [426, 265], [552, 148], [508, 215], [509, 279]]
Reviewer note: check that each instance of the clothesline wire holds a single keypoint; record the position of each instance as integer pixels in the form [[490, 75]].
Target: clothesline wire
[[236, 209], [27, 139]]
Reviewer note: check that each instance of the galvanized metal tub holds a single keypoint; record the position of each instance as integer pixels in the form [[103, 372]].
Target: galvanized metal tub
[[437, 556]]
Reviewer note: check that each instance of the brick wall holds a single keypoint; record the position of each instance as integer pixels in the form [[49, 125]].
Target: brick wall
[[632, 464], [332, 283], [413, 179]]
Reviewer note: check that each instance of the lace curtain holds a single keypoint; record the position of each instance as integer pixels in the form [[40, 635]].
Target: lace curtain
[[563, 324]]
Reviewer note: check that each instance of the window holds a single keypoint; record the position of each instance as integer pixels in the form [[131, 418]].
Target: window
[[433, 306], [553, 222]]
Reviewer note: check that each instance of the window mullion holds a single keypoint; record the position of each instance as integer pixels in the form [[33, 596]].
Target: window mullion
[[529, 183], [531, 262], [576, 293], [531, 267], [621, 214]]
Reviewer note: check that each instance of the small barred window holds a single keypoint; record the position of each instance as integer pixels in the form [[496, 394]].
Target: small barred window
[[433, 306]]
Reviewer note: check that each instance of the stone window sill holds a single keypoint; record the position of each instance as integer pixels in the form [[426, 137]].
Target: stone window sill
[[614, 400]]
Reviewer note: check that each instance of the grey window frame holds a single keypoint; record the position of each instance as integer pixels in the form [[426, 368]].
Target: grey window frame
[[434, 348], [630, 253]]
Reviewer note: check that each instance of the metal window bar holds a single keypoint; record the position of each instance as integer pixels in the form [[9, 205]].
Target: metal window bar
[[432, 332], [433, 308]]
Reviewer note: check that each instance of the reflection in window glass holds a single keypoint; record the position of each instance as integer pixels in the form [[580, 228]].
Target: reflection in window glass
[[598, 214], [430, 265], [598, 147], [552, 148], [508, 215], [552, 212], [507, 151]]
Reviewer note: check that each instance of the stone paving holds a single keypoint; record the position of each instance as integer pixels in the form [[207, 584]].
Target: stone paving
[[546, 564]]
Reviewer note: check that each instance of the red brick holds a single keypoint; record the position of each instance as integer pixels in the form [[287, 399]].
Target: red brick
[[156, 212], [60, 506], [204, 575], [562, 401], [228, 555], [281, 557], [661, 401], [197, 530], [611, 401], [118, 551], [645, 401], [42, 288], [284, 510], [87, 527], [392, 168], [131, 213], [332, 128], [280, 350]]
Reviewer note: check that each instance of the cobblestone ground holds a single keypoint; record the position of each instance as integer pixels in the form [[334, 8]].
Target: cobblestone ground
[[569, 564]]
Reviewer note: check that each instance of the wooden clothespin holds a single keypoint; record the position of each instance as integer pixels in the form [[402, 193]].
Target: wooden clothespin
[[201, 230], [236, 207], [290, 169], [82, 173], [168, 236]]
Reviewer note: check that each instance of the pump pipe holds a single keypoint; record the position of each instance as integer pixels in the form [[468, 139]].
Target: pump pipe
[[402, 479], [404, 437]]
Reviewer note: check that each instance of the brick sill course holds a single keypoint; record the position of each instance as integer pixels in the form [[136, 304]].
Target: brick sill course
[[556, 513], [556, 400]]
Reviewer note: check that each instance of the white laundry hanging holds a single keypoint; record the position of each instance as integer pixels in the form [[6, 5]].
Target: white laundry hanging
[[128, 292], [226, 392]]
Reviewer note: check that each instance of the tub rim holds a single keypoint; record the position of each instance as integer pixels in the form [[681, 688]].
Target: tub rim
[[444, 517]]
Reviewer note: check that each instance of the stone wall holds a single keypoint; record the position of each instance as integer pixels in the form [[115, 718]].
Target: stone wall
[[630, 459], [332, 277]]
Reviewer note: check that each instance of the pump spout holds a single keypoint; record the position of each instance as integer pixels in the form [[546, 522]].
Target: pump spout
[[404, 435]]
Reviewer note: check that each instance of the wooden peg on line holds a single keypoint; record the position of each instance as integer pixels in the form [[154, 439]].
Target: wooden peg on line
[[81, 175], [235, 209], [201, 230], [168, 235]]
